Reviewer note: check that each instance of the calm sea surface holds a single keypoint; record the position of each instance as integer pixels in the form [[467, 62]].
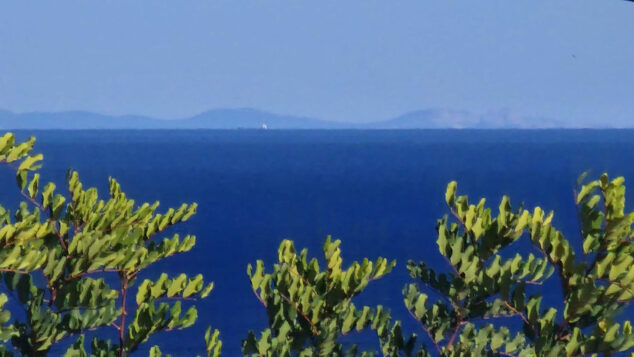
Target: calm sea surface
[[380, 192]]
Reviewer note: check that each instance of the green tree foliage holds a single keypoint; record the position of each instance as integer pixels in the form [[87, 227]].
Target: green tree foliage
[[309, 308], [484, 289], [213, 345], [57, 249], [72, 262]]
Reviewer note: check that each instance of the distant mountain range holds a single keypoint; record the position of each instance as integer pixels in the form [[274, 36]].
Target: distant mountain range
[[253, 119], [213, 119], [455, 119]]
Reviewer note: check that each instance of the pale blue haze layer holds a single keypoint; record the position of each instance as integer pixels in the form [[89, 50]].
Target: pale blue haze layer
[[353, 61]]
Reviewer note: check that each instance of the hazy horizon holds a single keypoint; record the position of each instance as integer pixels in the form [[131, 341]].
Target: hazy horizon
[[245, 118]]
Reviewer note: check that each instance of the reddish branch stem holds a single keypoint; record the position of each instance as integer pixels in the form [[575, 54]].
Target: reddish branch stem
[[454, 334], [508, 306], [124, 290], [50, 220], [312, 325], [427, 332], [15, 271], [79, 275], [259, 298]]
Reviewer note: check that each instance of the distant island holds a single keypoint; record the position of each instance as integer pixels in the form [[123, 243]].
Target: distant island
[[256, 119]]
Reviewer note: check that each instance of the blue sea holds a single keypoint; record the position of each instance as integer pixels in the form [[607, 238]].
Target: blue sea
[[380, 192]]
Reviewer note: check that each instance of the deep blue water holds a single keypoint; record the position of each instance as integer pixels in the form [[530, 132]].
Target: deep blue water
[[381, 192]]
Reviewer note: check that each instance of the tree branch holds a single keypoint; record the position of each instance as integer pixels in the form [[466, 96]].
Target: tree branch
[[427, 332], [312, 325]]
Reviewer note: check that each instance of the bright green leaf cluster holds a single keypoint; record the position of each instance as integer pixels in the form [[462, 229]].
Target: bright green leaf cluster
[[213, 345], [57, 248], [484, 286], [308, 307], [6, 331]]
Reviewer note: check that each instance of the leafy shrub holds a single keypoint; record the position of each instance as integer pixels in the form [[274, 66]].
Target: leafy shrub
[[57, 249], [597, 285], [309, 308]]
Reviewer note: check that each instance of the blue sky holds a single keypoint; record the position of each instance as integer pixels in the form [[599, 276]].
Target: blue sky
[[355, 61]]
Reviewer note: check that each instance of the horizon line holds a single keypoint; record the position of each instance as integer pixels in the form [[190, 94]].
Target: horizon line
[[477, 119]]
